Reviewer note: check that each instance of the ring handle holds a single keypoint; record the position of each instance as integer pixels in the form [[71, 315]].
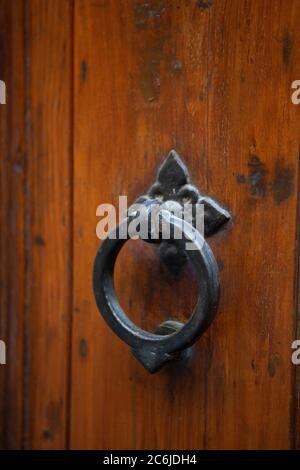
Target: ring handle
[[154, 350], [172, 339]]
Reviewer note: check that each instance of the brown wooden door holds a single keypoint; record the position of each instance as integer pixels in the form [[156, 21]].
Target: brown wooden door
[[98, 92]]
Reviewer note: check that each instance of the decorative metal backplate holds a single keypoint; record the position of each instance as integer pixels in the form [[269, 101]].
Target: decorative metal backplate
[[174, 184]]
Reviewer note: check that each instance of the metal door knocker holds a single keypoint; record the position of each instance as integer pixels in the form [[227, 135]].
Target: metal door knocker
[[163, 207]]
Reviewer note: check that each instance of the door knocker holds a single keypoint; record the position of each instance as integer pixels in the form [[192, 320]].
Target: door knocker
[[162, 211]]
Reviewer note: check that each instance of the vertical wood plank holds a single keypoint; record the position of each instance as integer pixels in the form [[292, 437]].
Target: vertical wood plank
[[3, 199], [15, 241], [253, 147], [12, 220], [48, 242], [131, 108], [296, 390]]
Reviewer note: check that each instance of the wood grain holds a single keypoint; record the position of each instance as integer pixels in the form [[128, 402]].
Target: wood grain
[[13, 206], [98, 92], [253, 164], [3, 217], [48, 219], [127, 92], [214, 82]]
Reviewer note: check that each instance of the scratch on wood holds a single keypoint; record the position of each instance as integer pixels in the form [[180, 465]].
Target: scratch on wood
[[204, 4], [83, 347], [286, 48], [83, 70], [273, 364]]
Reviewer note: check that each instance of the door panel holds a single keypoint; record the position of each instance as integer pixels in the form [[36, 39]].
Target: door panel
[[214, 83], [109, 87]]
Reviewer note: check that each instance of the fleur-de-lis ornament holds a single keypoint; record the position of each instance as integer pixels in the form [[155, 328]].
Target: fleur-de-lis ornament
[[174, 184]]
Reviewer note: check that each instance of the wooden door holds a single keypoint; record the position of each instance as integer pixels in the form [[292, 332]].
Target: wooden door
[[98, 92]]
